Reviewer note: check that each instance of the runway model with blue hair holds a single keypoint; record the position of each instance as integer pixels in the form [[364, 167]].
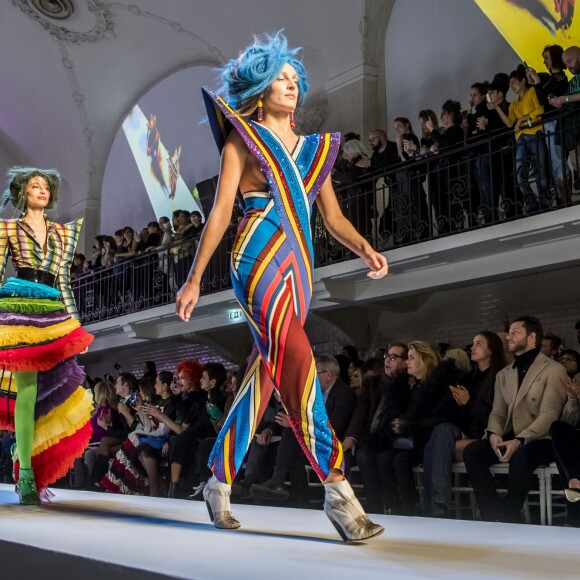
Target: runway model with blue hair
[[279, 175]]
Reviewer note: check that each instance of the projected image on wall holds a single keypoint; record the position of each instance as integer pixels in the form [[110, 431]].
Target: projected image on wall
[[158, 166], [529, 25]]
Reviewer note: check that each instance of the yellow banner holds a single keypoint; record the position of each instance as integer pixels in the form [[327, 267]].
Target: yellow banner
[[530, 25]]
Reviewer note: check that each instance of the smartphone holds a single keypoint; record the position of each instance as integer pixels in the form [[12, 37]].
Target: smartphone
[[487, 97], [526, 65]]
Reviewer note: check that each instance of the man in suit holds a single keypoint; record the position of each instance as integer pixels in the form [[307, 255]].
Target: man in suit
[[339, 401], [529, 396]]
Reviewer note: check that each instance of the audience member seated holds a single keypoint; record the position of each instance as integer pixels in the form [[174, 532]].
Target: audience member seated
[[551, 345], [528, 398], [127, 474], [448, 439], [570, 360], [339, 401], [369, 433], [118, 431], [565, 435], [430, 404]]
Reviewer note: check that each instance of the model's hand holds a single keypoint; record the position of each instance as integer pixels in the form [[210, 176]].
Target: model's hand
[[377, 263], [186, 300]]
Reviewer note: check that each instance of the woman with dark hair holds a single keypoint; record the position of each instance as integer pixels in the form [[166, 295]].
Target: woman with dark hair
[[525, 115], [548, 85], [410, 214], [40, 337], [447, 183], [430, 129], [475, 401], [128, 246], [280, 175], [150, 370]]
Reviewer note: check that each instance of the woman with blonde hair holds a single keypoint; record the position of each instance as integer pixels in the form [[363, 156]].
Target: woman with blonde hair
[[430, 404]]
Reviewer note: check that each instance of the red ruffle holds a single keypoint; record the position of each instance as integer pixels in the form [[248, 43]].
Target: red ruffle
[[55, 462], [7, 414], [43, 357]]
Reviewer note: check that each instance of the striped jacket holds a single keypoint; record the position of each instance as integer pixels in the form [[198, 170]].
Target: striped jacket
[[17, 239]]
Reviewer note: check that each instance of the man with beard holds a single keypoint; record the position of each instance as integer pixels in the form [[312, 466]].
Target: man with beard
[[529, 397]]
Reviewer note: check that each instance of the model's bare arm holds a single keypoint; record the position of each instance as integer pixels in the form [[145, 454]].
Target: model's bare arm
[[342, 230], [234, 158]]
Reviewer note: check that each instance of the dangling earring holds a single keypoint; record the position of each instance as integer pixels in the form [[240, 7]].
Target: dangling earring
[[260, 111], [292, 123]]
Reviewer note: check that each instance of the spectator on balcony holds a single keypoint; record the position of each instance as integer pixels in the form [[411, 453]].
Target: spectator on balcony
[[449, 439], [501, 153], [128, 247], [166, 230], [446, 173], [570, 360], [525, 115], [369, 433], [430, 130], [97, 252], [409, 204], [551, 345], [528, 398], [571, 103], [547, 85], [197, 223], [481, 162], [79, 266], [154, 236], [118, 238], [108, 252]]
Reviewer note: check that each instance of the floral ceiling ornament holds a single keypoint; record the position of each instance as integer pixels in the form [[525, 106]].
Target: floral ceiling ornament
[[45, 12]]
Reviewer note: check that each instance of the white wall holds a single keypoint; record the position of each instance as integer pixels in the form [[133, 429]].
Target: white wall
[[435, 51]]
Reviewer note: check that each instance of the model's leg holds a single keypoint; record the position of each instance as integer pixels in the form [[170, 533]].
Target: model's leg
[[26, 383]]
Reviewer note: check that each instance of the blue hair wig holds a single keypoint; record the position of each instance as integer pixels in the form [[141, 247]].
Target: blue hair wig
[[257, 67]]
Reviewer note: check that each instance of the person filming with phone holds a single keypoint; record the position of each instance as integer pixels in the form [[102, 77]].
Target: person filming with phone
[[528, 398]]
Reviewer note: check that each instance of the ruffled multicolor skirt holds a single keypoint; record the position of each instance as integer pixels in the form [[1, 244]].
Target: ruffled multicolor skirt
[[37, 334]]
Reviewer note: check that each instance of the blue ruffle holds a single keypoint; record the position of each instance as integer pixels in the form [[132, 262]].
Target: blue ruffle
[[18, 288]]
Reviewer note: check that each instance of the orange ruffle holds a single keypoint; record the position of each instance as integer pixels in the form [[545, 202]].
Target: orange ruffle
[[44, 357]]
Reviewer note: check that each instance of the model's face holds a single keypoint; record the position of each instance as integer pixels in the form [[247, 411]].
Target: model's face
[[282, 94], [415, 365], [479, 350], [37, 193]]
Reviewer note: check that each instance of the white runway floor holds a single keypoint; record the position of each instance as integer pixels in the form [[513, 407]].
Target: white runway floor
[[88, 535]]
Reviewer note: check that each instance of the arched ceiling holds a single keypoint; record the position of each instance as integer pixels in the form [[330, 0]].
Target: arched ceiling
[[67, 84]]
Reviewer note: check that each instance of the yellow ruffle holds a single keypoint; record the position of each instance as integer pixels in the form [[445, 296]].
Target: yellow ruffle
[[63, 421], [31, 335]]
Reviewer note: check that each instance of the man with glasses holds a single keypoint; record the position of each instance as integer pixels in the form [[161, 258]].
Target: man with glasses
[[369, 433]]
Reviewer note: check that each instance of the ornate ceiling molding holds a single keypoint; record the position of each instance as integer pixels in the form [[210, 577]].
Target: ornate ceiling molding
[[45, 12]]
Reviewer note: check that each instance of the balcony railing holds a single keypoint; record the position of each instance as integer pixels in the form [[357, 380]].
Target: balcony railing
[[479, 184]]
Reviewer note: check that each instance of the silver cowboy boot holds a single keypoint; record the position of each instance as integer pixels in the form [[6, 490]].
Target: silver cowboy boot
[[217, 499], [346, 513]]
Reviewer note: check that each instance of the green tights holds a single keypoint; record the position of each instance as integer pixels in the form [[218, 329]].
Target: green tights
[[26, 383]]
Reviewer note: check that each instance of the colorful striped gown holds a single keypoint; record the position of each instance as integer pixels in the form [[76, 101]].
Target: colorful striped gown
[[272, 269], [40, 332]]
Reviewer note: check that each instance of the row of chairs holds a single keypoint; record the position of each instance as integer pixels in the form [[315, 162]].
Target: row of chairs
[[544, 495]]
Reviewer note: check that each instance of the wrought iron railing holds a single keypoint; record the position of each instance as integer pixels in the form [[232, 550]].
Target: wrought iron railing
[[478, 184]]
